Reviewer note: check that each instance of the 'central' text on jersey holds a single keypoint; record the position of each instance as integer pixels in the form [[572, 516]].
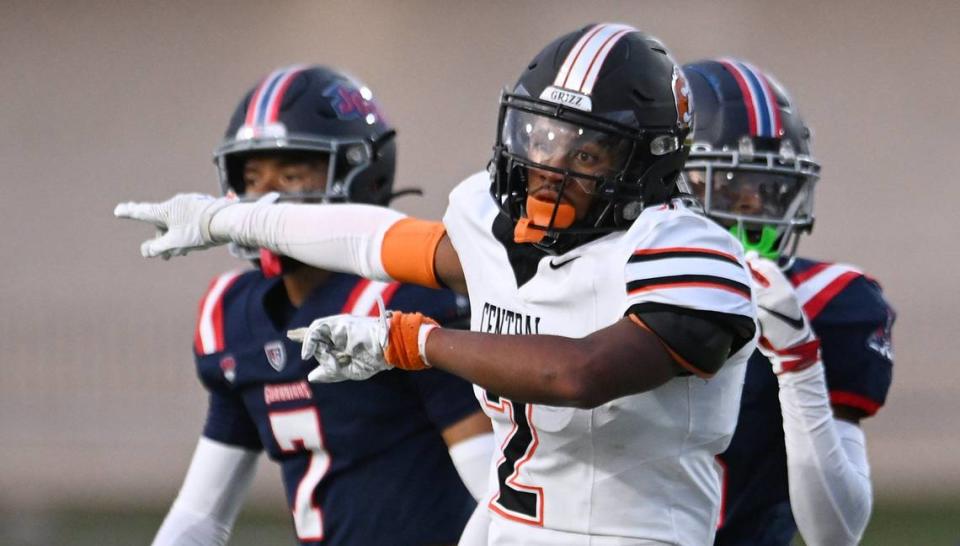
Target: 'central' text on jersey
[[497, 320]]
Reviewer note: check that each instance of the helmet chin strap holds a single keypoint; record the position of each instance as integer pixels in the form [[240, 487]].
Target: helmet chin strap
[[532, 228], [270, 264]]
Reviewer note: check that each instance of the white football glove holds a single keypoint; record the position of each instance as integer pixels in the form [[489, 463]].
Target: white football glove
[[346, 346], [182, 222], [786, 337], [352, 347]]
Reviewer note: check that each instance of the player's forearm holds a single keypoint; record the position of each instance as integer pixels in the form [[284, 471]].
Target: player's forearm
[[343, 238], [829, 478], [554, 370], [374, 242], [211, 496]]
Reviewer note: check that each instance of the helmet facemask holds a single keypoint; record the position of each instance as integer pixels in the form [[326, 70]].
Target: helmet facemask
[[348, 163], [764, 198], [560, 154]]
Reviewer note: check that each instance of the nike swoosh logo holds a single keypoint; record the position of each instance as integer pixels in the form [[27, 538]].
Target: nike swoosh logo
[[796, 323], [554, 265]]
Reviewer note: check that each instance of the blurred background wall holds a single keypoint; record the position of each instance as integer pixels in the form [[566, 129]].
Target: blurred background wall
[[102, 102]]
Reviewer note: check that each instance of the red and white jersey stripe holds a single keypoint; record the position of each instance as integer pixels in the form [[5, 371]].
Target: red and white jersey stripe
[[363, 298], [580, 69], [819, 284], [209, 336]]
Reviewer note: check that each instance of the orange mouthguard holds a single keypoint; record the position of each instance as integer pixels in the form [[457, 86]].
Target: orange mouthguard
[[532, 228]]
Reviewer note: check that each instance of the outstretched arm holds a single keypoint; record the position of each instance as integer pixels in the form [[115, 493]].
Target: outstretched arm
[[373, 242], [635, 354], [211, 496]]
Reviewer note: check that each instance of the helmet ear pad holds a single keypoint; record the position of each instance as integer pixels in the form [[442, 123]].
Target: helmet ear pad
[[375, 185]]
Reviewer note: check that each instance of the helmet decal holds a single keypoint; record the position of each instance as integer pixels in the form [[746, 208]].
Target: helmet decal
[[566, 97], [306, 112], [264, 105], [580, 69], [349, 102], [762, 112], [681, 94]]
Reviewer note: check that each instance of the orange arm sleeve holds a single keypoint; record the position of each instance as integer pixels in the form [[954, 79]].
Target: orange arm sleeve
[[409, 249]]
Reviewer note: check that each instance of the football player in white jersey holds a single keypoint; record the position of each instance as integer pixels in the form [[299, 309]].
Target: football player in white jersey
[[631, 318]]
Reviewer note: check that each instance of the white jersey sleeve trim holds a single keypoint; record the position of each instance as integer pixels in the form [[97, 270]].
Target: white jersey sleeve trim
[[810, 288], [210, 322]]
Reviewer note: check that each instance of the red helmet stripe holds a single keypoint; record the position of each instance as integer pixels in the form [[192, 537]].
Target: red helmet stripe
[[276, 99], [748, 99], [257, 98], [772, 103]]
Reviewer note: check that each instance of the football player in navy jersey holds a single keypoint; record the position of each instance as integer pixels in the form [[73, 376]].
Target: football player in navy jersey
[[798, 457], [373, 462]]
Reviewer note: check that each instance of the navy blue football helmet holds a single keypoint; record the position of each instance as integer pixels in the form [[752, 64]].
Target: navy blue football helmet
[[307, 112], [604, 107], [750, 163], [304, 110]]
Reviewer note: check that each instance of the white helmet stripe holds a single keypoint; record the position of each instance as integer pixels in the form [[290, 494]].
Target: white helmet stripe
[[573, 55], [272, 109], [594, 69], [579, 70]]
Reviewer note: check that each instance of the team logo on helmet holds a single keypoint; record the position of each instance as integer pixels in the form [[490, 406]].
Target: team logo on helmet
[[228, 366], [566, 97], [350, 102], [681, 94], [276, 354]]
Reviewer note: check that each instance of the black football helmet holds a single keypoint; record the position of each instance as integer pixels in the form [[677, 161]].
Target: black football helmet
[[604, 107], [750, 163], [303, 110]]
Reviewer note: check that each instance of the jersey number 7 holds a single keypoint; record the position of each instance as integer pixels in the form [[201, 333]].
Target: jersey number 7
[[298, 430]]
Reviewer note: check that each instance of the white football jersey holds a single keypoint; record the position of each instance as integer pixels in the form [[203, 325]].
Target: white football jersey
[[636, 470]]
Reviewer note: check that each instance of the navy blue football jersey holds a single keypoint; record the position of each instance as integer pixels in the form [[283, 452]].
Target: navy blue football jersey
[[363, 462], [854, 322]]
